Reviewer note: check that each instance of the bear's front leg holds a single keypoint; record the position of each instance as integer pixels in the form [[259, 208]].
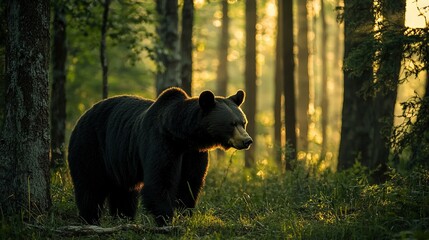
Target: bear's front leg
[[158, 201], [194, 169], [160, 188]]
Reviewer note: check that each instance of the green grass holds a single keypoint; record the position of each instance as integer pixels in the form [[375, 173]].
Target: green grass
[[263, 204]]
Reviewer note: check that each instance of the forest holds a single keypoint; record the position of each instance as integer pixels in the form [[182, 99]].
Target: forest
[[337, 104]]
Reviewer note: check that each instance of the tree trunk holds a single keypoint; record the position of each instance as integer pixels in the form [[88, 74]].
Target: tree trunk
[[168, 50], [303, 78], [250, 78], [103, 54], [24, 148], [278, 89], [335, 122], [384, 103], [2, 83], [324, 89], [356, 113], [289, 83], [2, 59], [186, 45], [222, 69], [58, 94]]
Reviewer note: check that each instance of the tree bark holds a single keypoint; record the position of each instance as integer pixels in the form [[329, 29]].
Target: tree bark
[[24, 148], [2, 83], [303, 78], [58, 94], [289, 84], [324, 89], [186, 45], [222, 68], [250, 78], [2, 59], [356, 113], [103, 54], [278, 89], [384, 102], [168, 51]]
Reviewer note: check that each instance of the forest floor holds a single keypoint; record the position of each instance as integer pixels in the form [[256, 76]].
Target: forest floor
[[263, 204]]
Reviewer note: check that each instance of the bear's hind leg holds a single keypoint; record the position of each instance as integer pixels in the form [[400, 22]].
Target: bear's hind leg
[[123, 203], [90, 205]]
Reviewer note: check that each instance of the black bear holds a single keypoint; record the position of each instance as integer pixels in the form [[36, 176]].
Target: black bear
[[125, 144]]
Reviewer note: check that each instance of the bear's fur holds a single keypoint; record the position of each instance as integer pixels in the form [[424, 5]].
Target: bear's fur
[[126, 143]]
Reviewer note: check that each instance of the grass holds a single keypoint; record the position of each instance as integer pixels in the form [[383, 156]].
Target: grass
[[263, 204]]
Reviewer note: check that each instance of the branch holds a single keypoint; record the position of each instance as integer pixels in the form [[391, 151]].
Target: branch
[[97, 230]]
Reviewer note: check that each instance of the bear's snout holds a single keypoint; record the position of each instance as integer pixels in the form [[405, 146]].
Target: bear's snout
[[247, 143], [240, 139]]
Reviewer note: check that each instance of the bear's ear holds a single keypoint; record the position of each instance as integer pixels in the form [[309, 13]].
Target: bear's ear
[[238, 98], [207, 100]]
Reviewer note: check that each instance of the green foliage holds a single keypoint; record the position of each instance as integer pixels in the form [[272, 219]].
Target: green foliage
[[128, 24], [382, 46], [262, 204], [410, 139], [129, 34]]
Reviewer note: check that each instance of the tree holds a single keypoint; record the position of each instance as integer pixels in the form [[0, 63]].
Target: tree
[[409, 140], [2, 58], [289, 85], [186, 45], [303, 78], [324, 89], [24, 149], [356, 113], [250, 78], [369, 99], [222, 68], [390, 57], [168, 49], [278, 90], [58, 94], [103, 54]]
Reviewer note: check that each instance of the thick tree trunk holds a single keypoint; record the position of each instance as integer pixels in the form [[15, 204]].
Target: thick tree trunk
[[168, 50], [186, 45], [356, 114], [303, 78], [289, 84], [2, 83], [2, 59], [250, 78], [278, 89], [58, 94], [384, 103], [103, 54], [24, 148], [222, 69]]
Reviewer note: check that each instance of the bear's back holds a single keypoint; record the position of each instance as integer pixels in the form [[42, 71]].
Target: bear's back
[[104, 132]]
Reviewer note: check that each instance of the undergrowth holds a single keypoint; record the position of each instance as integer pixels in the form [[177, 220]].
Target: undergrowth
[[263, 204]]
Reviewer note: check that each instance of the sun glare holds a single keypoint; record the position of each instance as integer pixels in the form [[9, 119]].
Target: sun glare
[[417, 13]]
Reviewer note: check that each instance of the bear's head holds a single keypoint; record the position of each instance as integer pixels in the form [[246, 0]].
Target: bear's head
[[224, 120]]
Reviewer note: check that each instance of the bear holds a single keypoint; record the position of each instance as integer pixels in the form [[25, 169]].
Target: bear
[[125, 147]]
